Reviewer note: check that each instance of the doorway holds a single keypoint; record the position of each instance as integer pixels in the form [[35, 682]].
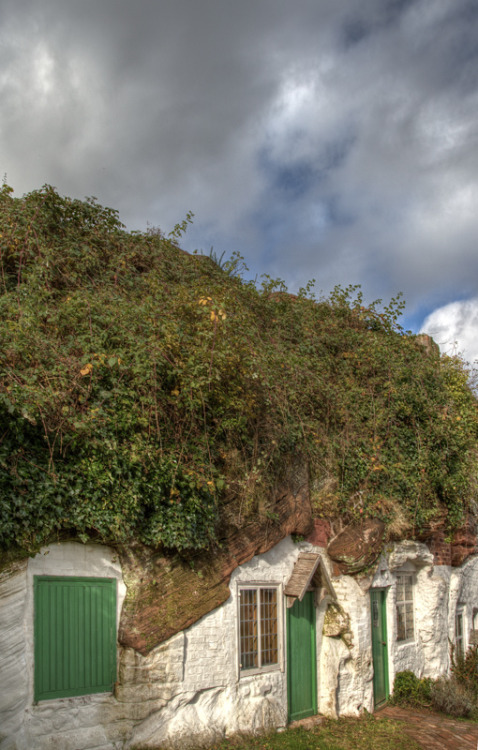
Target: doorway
[[379, 645], [301, 659]]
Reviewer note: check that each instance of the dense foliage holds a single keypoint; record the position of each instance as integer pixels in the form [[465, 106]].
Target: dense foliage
[[410, 690], [145, 392], [455, 693], [464, 668]]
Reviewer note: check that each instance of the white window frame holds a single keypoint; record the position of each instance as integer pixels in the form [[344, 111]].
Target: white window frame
[[276, 666], [401, 575]]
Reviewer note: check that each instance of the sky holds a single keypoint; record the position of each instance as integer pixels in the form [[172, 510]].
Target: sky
[[332, 140]]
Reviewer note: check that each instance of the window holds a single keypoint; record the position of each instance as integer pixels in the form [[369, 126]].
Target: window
[[404, 605], [258, 627], [459, 632], [75, 636]]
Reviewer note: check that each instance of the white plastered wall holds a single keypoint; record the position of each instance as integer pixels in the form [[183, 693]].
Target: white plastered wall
[[69, 722], [70, 559], [214, 699], [346, 666], [345, 662], [437, 591], [189, 689], [463, 593], [186, 689]]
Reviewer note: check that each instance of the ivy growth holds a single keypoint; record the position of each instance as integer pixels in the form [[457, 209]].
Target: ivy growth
[[146, 393]]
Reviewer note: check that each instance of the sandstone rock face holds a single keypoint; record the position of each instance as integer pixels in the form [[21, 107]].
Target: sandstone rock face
[[439, 547], [320, 534], [429, 345], [168, 593], [336, 622], [414, 552], [357, 546]]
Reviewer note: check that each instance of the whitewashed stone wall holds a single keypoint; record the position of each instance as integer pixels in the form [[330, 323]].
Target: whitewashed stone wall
[[463, 592], [213, 700], [61, 724], [346, 666], [345, 663], [189, 689], [437, 590], [13, 662], [186, 690]]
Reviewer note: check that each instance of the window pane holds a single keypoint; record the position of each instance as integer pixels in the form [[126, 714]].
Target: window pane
[[399, 588], [259, 627], [459, 624], [401, 633], [248, 628], [404, 607], [269, 645]]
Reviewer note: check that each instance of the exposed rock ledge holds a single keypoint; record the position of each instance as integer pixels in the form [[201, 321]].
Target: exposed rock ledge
[[357, 546], [167, 594]]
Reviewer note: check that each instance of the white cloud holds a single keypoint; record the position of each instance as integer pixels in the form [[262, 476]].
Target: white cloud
[[454, 327]]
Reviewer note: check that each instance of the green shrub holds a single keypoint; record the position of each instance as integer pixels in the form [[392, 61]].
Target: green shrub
[[451, 697], [409, 690], [464, 668], [149, 394], [455, 695]]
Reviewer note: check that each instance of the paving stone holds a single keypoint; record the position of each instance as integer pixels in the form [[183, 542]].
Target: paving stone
[[433, 731]]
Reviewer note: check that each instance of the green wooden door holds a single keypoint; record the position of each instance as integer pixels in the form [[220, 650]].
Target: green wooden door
[[301, 659], [379, 646], [75, 636]]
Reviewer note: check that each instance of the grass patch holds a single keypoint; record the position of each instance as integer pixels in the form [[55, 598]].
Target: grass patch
[[365, 733]]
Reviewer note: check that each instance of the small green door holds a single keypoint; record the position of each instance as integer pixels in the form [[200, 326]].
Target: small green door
[[379, 646], [75, 636], [301, 659]]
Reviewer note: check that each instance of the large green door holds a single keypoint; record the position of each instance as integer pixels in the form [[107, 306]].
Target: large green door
[[379, 646], [75, 636], [301, 659]]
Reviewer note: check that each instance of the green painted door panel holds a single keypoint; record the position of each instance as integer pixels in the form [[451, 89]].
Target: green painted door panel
[[301, 659], [75, 636], [379, 646]]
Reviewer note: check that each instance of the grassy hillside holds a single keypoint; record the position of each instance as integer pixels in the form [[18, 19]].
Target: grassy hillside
[[144, 390]]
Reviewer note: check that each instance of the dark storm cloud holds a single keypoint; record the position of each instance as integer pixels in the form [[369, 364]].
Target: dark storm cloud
[[322, 139]]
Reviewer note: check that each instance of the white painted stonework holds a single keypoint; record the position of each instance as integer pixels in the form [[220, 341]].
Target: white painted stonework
[[189, 690], [68, 723], [438, 590], [212, 700]]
